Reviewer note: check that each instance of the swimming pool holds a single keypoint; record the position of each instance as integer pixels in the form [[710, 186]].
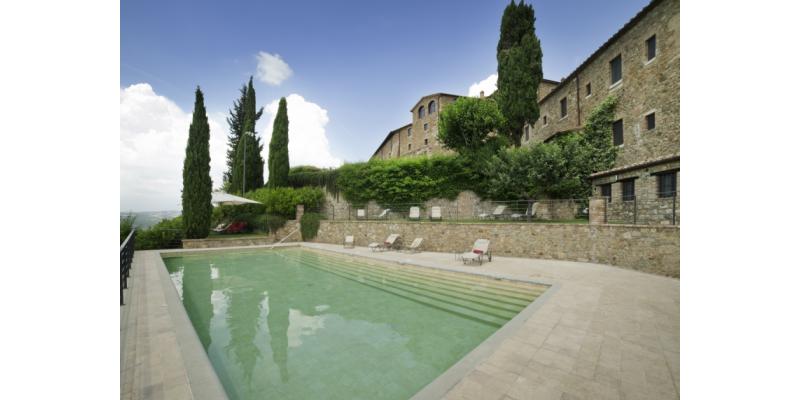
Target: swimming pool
[[296, 323]]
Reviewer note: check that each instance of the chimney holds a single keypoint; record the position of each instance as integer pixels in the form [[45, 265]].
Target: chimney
[[481, 93]]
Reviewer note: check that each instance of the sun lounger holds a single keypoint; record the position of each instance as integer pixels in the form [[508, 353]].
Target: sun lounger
[[414, 247], [361, 213], [498, 212], [413, 213], [221, 228], [387, 244], [479, 250], [436, 213], [529, 212], [349, 242], [384, 214]]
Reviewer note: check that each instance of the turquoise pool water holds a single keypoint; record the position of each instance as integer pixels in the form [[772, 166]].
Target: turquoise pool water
[[301, 324]]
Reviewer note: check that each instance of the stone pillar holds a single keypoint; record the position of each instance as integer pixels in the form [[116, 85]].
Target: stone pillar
[[300, 211], [597, 211]]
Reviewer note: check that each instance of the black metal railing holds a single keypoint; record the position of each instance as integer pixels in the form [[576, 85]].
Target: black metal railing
[[125, 260]]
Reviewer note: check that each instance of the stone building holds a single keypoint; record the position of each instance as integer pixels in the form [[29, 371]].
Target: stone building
[[640, 66]]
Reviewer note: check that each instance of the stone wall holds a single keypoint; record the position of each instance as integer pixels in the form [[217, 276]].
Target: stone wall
[[234, 241], [652, 249]]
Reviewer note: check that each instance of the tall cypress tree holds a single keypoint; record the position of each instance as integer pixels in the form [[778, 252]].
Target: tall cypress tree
[[248, 166], [278, 158], [196, 195], [235, 128], [519, 69]]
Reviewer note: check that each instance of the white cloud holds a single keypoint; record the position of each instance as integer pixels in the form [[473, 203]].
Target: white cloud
[[488, 85], [308, 141], [272, 70], [153, 134]]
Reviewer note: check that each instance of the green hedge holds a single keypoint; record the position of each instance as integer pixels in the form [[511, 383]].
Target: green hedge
[[305, 176], [162, 235], [309, 225], [282, 201], [405, 180]]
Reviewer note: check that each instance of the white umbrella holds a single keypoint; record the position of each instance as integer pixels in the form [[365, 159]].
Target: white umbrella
[[225, 199]]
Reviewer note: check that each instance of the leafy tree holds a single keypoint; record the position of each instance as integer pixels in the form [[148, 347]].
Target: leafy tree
[[279, 149], [519, 69], [248, 168], [464, 126], [196, 196], [235, 127]]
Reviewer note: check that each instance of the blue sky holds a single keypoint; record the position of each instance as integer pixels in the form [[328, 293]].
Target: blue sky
[[364, 62]]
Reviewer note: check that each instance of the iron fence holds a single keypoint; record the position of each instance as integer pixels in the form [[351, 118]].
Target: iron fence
[[126, 250], [542, 210]]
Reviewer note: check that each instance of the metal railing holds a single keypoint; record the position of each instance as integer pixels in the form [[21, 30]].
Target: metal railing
[[542, 210], [125, 260], [662, 210]]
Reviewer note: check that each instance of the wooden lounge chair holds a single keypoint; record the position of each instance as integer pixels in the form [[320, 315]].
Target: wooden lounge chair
[[349, 242], [387, 244], [436, 213], [529, 212], [414, 246], [413, 213], [479, 250]]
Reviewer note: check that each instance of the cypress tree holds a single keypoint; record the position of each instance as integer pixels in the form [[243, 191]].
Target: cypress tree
[[196, 195], [519, 69], [279, 149], [248, 165], [235, 128]]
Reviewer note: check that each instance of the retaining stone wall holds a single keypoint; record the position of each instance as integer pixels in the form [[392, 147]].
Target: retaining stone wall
[[652, 249]]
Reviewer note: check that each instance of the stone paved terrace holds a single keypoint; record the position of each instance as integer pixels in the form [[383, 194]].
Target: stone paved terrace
[[601, 332]]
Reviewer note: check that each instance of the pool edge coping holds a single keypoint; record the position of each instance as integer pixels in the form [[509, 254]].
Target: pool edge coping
[[200, 368]]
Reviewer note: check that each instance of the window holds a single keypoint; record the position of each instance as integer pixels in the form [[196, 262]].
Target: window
[[527, 133], [563, 107], [616, 69], [421, 111], [409, 146], [651, 47], [667, 184], [425, 126], [617, 129], [588, 89], [409, 132], [628, 190], [651, 121], [545, 120], [605, 191], [431, 107], [426, 142]]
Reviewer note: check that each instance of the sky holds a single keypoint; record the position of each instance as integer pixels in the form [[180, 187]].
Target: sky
[[350, 70]]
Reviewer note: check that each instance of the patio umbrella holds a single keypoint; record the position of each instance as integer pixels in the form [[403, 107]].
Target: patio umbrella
[[225, 199]]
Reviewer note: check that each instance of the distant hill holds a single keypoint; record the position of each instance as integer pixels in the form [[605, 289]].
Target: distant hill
[[146, 219]]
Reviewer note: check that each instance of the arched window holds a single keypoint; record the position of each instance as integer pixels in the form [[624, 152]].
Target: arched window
[[431, 107], [421, 111]]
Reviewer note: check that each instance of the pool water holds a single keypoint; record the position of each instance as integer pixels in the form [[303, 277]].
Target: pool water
[[303, 324]]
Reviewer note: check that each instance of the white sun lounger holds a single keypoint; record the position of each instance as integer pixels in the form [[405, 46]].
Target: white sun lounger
[[384, 214], [414, 247], [361, 213], [529, 212], [498, 212], [387, 244], [436, 213], [413, 213], [349, 242], [479, 250]]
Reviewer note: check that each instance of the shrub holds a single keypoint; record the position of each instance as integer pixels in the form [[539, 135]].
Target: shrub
[[309, 226], [165, 234], [275, 222], [282, 201], [126, 226], [405, 180]]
